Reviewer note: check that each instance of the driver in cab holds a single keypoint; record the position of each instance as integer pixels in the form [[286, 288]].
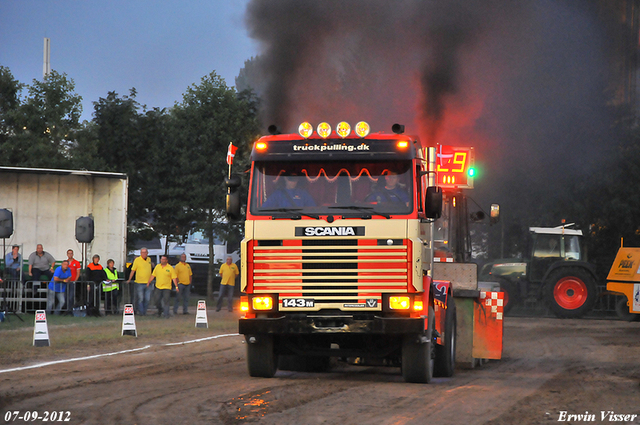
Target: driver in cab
[[392, 192], [289, 196]]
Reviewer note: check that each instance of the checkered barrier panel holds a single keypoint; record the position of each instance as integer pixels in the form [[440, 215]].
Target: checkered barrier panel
[[494, 301], [487, 327]]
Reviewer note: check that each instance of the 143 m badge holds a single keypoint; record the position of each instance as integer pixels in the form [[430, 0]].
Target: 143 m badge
[[298, 302]]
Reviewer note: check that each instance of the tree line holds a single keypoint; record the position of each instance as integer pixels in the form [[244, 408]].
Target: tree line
[[175, 158]]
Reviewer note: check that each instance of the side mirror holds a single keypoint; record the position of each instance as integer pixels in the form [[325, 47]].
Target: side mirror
[[433, 202], [477, 216], [233, 206], [233, 197], [233, 182], [495, 213]]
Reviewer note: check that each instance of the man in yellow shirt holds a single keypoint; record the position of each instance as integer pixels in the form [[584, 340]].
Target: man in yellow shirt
[[165, 276], [142, 268], [185, 277], [228, 271]]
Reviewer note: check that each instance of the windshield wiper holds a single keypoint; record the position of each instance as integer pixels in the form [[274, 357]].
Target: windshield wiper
[[292, 210], [363, 209]]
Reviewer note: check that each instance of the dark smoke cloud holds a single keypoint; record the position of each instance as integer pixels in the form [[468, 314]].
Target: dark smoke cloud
[[325, 58], [446, 29], [522, 81]]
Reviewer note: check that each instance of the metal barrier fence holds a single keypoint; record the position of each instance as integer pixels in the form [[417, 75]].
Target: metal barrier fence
[[80, 297], [11, 296]]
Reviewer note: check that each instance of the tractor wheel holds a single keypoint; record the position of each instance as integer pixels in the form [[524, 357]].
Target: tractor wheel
[[418, 354], [262, 359], [622, 310], [570, 292], [446, 354]]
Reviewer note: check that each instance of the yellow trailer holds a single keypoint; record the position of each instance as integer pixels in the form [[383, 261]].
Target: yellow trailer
[[624, 279]]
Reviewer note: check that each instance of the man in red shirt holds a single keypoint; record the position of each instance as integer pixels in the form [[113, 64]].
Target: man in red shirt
[[74, 266]]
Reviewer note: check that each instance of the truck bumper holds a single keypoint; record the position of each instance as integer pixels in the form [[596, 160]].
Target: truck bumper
[[331, 325]]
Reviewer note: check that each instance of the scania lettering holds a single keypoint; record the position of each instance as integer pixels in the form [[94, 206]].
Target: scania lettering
[[338, 256], [329, 231]]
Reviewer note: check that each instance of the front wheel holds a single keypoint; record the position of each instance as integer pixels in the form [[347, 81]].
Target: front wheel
[[262, 359], [446, 354], [570, 292], [418, 354]]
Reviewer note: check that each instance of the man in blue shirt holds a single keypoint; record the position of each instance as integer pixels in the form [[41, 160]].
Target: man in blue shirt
[[13, 261], [289, 196], [392, 192], [58, 287]]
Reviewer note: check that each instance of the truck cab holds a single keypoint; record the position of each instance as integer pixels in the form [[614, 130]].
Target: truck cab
[[337, 259]]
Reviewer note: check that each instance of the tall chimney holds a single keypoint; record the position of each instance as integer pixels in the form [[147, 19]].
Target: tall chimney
[[46, 67]]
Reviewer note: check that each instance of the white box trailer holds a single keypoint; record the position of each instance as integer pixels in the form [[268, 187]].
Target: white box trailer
[[46, 203]]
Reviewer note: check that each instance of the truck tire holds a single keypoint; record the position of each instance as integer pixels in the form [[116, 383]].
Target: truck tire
[[446, 354], [262, 359], [623, 313], [570, 292], [418, 354]]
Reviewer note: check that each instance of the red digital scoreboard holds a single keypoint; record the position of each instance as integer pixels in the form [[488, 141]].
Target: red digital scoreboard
[[455, 167]]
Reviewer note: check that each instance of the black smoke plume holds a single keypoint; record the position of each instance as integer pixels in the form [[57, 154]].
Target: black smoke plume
[[526, 82]]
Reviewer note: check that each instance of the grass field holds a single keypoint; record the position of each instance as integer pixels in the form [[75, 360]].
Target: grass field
[[79, 336]]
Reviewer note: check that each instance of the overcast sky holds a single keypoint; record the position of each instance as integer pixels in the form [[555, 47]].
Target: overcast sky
[[160, 47]]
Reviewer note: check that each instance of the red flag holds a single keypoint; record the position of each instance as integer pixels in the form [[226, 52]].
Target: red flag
[[231, 153]]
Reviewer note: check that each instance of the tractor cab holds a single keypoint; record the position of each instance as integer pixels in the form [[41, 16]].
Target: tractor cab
[[550, 245]]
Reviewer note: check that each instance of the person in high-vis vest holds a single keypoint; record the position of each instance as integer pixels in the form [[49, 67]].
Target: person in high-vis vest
[[95, 275], [111, 288]]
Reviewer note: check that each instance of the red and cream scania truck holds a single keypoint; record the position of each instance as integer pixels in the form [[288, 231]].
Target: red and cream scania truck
[[338, 257]]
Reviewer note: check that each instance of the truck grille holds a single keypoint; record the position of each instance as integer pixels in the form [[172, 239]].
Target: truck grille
[[338, 274]]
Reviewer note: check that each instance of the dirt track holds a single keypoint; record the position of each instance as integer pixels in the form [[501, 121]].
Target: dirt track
[[549, 366]]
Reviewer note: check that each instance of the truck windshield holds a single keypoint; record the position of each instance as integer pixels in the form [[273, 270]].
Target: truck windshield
[[372, 188]]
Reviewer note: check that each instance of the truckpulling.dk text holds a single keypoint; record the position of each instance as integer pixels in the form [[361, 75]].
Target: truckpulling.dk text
[[336, 147]]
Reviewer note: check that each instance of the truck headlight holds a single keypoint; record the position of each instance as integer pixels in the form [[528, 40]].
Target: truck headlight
[[262, 303], [401, 302]]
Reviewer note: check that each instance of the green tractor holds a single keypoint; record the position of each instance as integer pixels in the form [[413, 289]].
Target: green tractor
[[555, 270]]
